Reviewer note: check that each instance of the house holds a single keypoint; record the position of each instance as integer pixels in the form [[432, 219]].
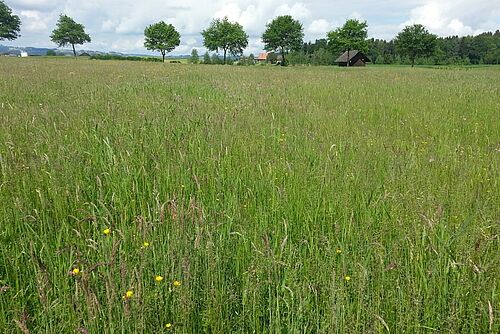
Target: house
[[23, 54], [261, 58], [84, 54], [356, 58]]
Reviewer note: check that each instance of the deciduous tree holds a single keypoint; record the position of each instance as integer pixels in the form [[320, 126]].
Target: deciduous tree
[[226, 36], [10, 24], [283, 34], [68, 32], [161, 37], [415, 41]]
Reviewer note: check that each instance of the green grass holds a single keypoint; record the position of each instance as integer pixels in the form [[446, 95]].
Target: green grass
[[259, 188]]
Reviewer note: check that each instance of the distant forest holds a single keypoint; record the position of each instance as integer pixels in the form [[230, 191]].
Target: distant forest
[[454, 50]]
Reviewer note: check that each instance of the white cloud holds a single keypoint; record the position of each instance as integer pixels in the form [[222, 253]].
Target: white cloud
[[456, 17], [298, 11], [319, 27], [33, 21]]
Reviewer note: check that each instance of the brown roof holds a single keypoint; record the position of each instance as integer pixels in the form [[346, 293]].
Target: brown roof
[[352, 54]]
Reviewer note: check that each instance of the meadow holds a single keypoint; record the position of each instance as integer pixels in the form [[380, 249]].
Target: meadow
[[163, 198]]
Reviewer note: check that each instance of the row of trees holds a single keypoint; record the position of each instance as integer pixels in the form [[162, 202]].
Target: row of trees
[[454, 50], [284, 35]]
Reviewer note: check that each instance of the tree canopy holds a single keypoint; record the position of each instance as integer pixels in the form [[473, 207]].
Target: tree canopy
[[284, 34], [195, 58], [68, 32], [161, 37], [10, 24], [415, 41], [226, 36], [351, 36]]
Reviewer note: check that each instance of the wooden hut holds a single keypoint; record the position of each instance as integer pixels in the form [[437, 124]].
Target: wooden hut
[[356, 58]]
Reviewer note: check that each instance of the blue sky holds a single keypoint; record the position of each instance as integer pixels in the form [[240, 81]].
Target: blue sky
[[118, 25]]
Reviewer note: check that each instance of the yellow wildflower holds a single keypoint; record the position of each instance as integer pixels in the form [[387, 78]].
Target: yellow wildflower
[[106, 231], [177, 283], [158, 278], [339, 251], [145, 244], [129, 294], [169, 325], [347, 278], [76, 271]]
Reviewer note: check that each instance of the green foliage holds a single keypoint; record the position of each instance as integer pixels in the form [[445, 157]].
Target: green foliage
[[260, 190], [351, 36], [272, 58], [283, 34], [68, 32], [10, 24], [453, 50], [322, 57], [298, 58], [216, 60], [161, 37], [251, 59], [195, 58], [51, 53], [226, 36], [206, 58], [415, 41]]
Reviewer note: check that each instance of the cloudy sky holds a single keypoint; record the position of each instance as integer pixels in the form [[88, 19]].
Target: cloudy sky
[[118, 25]]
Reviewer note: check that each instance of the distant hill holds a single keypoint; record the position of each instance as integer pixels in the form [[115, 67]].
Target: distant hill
[[33, 51]]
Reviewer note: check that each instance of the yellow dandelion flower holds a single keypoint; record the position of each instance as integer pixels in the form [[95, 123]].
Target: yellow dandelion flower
[[339, 251], [145, 244], [106, 231], [158, 278], [129, 294], [76, 271], [177, 283], [169, 325], [347, 278]]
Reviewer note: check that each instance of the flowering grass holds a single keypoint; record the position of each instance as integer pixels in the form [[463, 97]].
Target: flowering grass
[[283, 200]]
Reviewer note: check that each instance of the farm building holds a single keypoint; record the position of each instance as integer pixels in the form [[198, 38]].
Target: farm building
[[356, 58], [261, 58]]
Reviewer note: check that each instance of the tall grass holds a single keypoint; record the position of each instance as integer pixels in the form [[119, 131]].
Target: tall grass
[[297, 200]]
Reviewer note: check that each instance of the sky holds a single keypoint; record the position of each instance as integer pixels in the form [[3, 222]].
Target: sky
[[118, 25]]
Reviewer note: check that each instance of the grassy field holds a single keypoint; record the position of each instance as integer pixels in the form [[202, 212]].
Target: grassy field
[[269, 200]]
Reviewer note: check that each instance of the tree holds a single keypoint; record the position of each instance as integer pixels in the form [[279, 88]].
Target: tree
[[161, 37], [351, 36], [206, 58], [68, 32], [194, 59], [284, 34], [226, 36], [251, 59], [415, 41], [10, 24]]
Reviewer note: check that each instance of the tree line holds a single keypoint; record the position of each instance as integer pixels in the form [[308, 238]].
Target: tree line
[[283, 38]]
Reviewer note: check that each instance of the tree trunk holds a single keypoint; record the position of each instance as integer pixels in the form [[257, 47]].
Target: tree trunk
[[74, 51], [225, 50], [412, 62], [163, 56], [283, 63]]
